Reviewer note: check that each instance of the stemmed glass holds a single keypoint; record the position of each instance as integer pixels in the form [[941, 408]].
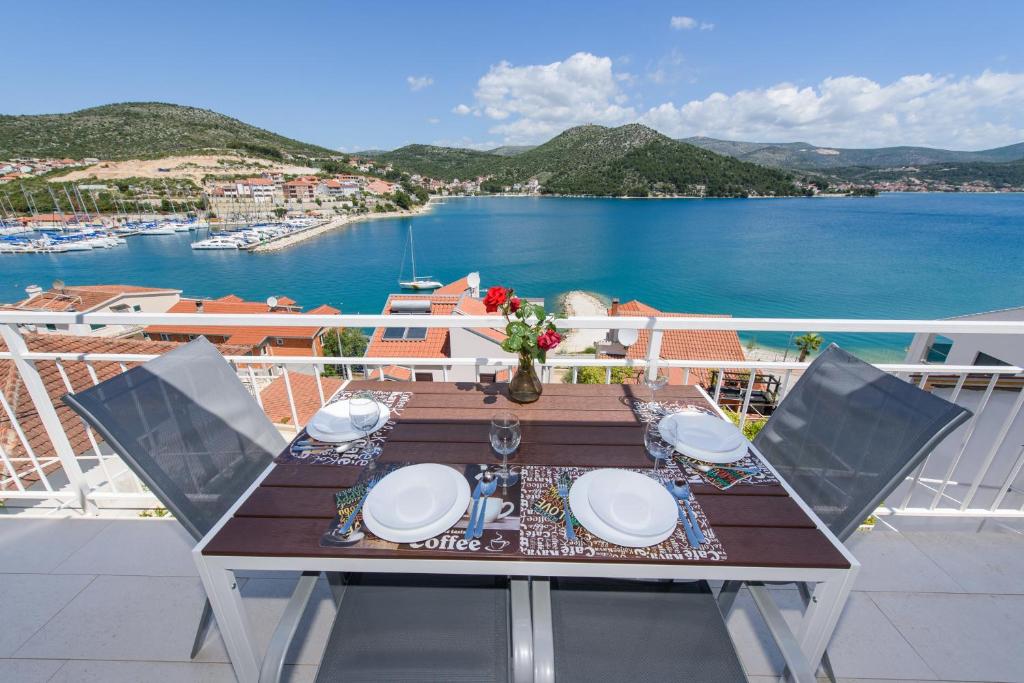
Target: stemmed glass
[[505, 437], [364, 412], [656, 446], [655, 379]]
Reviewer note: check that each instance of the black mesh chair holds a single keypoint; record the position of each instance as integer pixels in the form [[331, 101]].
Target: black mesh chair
[[190, 430], [845, 437]]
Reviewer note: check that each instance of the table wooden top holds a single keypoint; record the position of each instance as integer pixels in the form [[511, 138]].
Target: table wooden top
[[588, 425]]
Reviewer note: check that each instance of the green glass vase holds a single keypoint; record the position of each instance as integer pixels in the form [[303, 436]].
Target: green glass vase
[[525, 386]]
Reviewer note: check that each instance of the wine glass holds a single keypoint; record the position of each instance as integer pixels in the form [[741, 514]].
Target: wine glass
[[655, 378], [505, 437], [364, 411], [656, 446]]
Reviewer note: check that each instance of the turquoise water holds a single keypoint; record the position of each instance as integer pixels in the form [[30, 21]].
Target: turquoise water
[[894, 256]]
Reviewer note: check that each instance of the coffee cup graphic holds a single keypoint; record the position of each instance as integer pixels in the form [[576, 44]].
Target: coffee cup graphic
[[497, 544], [496, 508]]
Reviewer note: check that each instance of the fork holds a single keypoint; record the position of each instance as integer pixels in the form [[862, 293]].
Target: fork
[[563, 491]]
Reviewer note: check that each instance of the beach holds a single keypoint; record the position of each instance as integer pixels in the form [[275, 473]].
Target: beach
[[580, 303]]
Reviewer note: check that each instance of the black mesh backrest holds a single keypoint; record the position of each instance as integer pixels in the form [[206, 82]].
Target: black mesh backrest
[[188, 427], [848, 434]]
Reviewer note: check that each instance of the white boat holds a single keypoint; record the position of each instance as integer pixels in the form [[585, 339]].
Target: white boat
[[157, 230], [421, 282], [216, 243]]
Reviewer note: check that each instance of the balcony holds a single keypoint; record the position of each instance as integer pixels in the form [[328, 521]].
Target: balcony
[[92, 592]]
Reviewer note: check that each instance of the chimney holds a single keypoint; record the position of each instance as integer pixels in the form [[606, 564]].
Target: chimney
[[33, 291], [199, 306], [614, 310]]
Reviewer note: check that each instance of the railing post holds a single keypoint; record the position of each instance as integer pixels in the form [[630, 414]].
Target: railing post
[[47, 415], [653, 353]]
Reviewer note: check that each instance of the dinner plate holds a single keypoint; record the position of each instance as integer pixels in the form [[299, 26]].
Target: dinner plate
[[631, 502], [704, 437], [414, 535], [414, 496], [332, 423], [579, 502]]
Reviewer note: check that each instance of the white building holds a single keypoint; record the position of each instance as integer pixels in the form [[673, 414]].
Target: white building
[[971, 349]]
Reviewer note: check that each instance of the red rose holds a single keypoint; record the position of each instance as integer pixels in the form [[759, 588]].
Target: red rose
[[514, 304], [549, 340], [496, 296]]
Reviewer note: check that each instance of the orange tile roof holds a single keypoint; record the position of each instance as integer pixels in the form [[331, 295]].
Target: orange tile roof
[[436, 343], [79, 378], [457, 287], [684, 344], [83, 298], [470, 306], [304, 390], [231, 298], [285, 301], [323, 309], [249, 336]]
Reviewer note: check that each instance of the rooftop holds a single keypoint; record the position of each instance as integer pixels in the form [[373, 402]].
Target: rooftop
[[83, 297]]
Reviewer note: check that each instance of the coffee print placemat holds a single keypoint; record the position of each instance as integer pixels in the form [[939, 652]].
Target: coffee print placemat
[[747, 470], [542, 526], [306, 449], [501, 520]]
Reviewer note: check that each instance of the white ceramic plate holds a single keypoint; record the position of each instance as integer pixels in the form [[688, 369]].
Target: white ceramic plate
[[414, 496], [332, 424], [579, 501], [631, 503], [414, 535], [704, 437]]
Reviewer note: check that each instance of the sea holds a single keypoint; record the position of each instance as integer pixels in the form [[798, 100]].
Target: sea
[[891, 256]]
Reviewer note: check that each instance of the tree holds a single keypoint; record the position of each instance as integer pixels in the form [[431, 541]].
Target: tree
[[352, 345], [403, 200], [280, 211], [808, 343], [596, 375]]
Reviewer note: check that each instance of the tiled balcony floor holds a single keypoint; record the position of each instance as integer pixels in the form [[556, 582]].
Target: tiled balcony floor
[[117, 600]]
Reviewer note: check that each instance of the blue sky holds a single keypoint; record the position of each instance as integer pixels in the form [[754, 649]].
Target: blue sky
[[379, 75]]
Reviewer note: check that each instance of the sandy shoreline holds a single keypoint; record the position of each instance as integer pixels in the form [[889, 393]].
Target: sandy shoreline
[[580, 303], [333, 224]]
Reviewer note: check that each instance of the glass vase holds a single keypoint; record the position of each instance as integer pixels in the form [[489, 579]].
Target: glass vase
[[525, 386]]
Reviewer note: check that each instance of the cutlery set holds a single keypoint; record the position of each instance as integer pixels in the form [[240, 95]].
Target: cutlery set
[[487, 485], [681, 490]]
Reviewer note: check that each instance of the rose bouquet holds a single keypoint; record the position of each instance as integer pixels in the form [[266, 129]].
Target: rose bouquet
[[530, 332]]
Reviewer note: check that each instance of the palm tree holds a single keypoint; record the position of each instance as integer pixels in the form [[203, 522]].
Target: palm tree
[[808, 343]]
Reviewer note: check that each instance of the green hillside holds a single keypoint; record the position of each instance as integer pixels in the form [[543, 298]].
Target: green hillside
[[628, 160], [1005, 175], [141, 130]]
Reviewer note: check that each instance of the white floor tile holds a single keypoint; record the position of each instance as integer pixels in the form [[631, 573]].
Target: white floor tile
[[131, 618], [989, 562], [966, 637], [142, 547], [891, 562], [29, 670], [32, 545], [29, 601]]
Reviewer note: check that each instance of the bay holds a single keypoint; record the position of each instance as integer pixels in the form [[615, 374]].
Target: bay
[[893, 256]]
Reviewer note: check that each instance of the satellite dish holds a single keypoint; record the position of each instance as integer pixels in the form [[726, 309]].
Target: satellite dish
[[627, 337], [272, 301], [473, 280], [58, 284]]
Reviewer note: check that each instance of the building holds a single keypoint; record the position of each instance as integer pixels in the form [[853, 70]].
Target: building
[[96, 299], [675, 344], [301, 189], [376, 186], [259, 340], [259, 189], [339, 188], [971, 349], [461, 297]]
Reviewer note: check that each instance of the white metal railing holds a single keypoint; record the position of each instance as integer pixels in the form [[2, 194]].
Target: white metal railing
[[984, 449]]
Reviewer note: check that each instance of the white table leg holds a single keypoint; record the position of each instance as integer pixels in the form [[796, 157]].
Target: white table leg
[[543, 633], [822, 614], [232, 621]]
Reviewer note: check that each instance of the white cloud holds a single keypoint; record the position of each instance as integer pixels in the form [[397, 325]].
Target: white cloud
[[707, 26], [682, 23], [419, 82], [920, 109], [462, 109], [433, 120], [535, 102]]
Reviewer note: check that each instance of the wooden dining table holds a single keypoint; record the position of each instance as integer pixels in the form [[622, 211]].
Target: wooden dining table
[[765, 532]]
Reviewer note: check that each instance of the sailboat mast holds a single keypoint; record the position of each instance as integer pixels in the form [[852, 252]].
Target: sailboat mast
[[412, 249]]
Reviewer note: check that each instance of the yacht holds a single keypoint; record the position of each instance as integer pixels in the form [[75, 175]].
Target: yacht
[[421, 282], [216, 243], [157, 230]]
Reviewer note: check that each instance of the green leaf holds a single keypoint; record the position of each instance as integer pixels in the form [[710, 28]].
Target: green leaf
[[542, 356]]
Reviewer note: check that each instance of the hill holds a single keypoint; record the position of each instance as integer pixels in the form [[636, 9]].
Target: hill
[[627, 160], [805, 156], [141, 130], [1007, 175]]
